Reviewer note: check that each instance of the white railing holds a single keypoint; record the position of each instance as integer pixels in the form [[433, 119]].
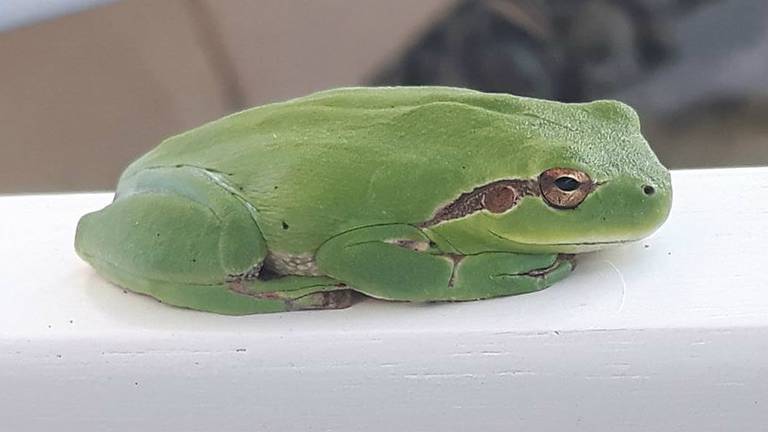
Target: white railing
[[667, 334]]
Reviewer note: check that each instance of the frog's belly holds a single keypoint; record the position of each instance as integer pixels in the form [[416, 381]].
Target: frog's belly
[[292, 264]]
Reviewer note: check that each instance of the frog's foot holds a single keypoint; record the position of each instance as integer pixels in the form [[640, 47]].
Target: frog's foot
[[495, 274], [326, 300], [337, 299], [384, 262], [296, 292], [178, 234]]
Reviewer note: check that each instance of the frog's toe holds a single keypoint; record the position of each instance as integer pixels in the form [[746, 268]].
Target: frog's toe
[[338, 299]]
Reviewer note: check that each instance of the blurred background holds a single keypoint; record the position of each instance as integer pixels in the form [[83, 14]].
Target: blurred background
[[86, 86]]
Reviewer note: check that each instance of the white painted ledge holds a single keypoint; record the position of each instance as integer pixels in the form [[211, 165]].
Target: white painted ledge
[[667, 334]]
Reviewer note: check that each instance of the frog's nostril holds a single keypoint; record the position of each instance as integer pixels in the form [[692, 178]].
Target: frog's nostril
[[649, 190]]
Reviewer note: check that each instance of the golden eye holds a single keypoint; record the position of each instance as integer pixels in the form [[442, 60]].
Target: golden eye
[[564, 188]]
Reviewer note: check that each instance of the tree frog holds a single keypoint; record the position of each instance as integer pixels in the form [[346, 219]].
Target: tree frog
[[419, 194]]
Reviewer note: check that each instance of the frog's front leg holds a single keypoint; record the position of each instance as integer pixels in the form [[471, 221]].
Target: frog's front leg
[[398, 262]]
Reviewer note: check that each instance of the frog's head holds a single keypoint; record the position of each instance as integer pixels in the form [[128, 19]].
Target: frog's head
[[590, 181]]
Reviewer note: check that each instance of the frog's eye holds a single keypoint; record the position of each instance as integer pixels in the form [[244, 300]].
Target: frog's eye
[[567, 184], [564, 188]]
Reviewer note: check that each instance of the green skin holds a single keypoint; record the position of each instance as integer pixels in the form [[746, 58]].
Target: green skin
[[301, 204]]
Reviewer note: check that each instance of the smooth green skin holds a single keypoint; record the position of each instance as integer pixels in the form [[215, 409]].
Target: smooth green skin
[[338, 175]]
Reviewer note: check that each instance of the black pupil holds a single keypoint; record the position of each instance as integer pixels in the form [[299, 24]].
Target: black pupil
[[567, 184]]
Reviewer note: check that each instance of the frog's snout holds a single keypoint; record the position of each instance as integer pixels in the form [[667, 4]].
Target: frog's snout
[[87, 235], [656, 198], [82, 235]]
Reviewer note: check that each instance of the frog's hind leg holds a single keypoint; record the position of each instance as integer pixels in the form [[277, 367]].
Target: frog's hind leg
[[180, 235]]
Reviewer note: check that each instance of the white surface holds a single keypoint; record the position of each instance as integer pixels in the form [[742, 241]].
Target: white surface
[[15, 13], [670, 334]]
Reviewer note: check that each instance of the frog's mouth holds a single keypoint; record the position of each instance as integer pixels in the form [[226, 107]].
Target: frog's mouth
[[592, 243], [583, 246]]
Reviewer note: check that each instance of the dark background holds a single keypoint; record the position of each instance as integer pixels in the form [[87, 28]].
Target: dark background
[[82, 95]]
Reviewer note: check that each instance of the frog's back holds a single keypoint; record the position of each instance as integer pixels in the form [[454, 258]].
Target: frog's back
[[318, 123], [345, 158]]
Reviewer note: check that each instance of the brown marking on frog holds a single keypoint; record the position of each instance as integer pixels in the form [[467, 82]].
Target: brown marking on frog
[[412, 245], [496, 197], [339, 299], [456, 259], [561, 258]]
